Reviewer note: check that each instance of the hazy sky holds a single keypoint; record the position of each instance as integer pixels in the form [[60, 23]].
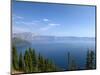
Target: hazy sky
[[53, 19]]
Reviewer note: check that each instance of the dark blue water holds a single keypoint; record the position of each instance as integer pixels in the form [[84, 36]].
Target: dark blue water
[[57, 51]]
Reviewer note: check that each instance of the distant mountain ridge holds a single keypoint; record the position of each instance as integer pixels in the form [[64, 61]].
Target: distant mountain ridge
[[27, 36]]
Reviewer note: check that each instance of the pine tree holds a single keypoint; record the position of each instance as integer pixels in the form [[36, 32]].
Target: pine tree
[[14, 58], [30, 60], [51, 66], [90, 64], [21, 63], [34, 59], [26, 61], [42, 61], [39, 62], [46, 65]]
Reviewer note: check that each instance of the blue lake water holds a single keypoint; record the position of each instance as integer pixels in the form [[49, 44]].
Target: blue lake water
[[57, 51]]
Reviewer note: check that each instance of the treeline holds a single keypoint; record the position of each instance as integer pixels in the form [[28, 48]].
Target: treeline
[[89, 64], [31, 62]]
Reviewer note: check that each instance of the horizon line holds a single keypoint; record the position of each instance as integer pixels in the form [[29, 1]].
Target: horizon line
[[54, 35]]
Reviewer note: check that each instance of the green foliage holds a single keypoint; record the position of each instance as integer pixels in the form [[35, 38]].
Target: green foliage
[[31, 62], [26, 61], [21, 64], [40, 63], [90, 64], [33, 57], [14, 58], [46, 65], [51, 67]]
